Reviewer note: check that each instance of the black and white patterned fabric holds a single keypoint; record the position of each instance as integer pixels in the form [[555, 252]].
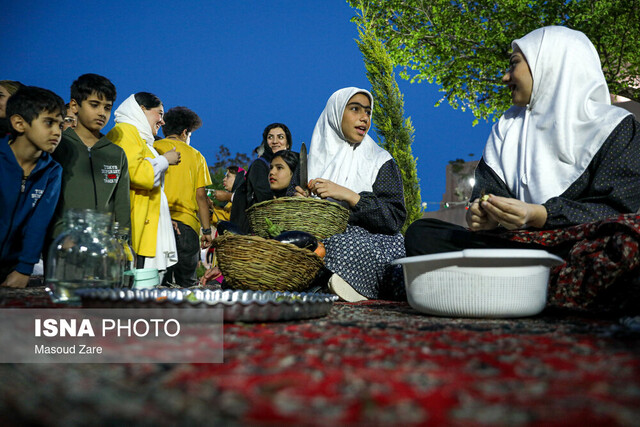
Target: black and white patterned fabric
[[609, 186], [363, 253], [362, 259]]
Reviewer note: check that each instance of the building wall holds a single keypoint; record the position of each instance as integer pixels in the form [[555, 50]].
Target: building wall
[[457, 193]]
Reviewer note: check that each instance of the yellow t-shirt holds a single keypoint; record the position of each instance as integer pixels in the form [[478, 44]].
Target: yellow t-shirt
[[182, 180], [221, 214]]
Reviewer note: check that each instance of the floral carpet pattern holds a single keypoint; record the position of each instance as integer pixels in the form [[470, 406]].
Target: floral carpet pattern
[[369, 363]]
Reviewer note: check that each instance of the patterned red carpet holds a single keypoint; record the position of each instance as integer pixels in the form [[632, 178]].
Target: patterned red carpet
[[372, 363]]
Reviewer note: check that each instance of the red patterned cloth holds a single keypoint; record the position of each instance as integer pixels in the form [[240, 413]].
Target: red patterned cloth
[[601, 269], [373, 363]]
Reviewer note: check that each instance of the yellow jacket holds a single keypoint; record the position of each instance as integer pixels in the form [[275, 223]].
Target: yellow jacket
[[145, 198]]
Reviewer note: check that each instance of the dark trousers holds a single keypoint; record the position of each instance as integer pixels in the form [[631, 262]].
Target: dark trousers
[[188, 246], [432, 236]]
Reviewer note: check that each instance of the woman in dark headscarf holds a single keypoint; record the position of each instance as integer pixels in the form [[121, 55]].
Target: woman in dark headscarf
[[256, 188], [283, 166]]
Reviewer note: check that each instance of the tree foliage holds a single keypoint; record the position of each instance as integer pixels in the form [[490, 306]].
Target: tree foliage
[[395, 133], [463, 45]]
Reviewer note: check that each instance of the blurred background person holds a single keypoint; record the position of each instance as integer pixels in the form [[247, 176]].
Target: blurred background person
[[70, 119], [7, 89], [232, 178]]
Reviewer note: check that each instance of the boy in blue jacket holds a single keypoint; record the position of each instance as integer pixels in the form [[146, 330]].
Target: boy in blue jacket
[[30, 180]]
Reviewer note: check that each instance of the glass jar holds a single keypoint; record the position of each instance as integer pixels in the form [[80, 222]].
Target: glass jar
[[84, 255], [121, 235]]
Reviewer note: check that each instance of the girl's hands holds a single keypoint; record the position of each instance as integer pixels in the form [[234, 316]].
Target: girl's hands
[[172, 156], [478, 219], [300, 192], [324, 188], [510, 213]]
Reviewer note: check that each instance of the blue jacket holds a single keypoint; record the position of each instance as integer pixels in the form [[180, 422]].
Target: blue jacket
[[26, 208]]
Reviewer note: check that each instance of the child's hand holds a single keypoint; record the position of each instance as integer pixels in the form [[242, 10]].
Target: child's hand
[[324, 188], [209, 275], [172, 156], [206, 240], [175, 227], [16, 280]]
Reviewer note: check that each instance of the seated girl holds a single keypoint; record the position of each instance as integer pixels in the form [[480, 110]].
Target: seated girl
[[283, 165], [560, 157], [347, 166], [138, 119], [255, 188]]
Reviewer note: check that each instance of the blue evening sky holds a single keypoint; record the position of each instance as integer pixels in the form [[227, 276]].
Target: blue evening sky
[[239, 64]]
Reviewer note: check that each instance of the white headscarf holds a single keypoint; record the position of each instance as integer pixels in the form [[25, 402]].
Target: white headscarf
[[331, 156], [541, 149], [130, 112]]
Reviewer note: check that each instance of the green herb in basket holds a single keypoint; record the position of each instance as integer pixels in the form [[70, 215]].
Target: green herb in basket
[[200, 270], [273, 229]]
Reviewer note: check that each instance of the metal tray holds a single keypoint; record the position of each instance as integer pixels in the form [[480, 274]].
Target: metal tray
[[238, 306]]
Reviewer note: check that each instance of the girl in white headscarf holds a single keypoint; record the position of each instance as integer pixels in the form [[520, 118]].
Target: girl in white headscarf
[[553, 149], [347, 166], [561, 156], [138, 120], [560, 172]]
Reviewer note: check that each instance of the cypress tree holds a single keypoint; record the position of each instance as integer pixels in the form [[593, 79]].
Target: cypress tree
[[395, 134]]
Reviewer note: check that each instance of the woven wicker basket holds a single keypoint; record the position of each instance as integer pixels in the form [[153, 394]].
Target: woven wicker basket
[[257, 264], [316, 216]]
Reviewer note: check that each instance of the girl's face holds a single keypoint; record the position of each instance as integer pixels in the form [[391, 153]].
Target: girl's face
[[154, 117], [280, 174], [518, 78], [228, 180], [4, 97], [356, 118], [277, 140]]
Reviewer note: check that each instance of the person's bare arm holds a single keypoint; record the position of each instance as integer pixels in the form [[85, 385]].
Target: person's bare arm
[[222, 195], [203, 213]]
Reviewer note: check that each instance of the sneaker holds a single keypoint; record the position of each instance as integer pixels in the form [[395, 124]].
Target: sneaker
[[340, 287]]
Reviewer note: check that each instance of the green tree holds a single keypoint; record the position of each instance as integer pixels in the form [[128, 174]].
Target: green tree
[[463, 45], [395, 133]]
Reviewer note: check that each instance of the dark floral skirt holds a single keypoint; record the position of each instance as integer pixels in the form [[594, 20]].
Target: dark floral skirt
[[601, 272]]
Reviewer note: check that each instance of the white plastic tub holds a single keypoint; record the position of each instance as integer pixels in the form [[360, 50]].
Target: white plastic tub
[[479, 282]]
